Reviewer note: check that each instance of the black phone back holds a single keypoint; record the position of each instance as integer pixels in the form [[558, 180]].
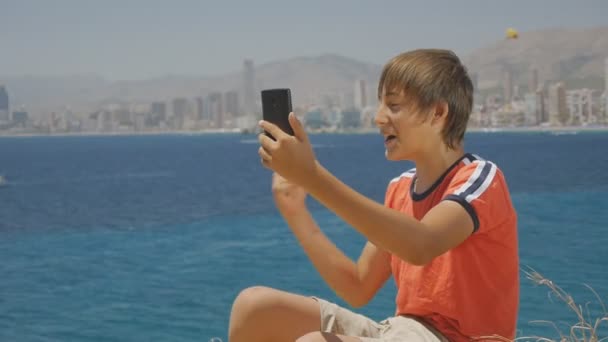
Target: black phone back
[[276, 106]]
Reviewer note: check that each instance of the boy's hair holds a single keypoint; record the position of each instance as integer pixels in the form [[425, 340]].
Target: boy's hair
[[429, 76]]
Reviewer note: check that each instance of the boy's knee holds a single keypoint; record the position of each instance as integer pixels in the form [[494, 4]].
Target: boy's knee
[[254, 298], [315, 336]]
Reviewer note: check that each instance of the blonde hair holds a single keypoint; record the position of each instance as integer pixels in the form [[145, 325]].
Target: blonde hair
[[430, 76]]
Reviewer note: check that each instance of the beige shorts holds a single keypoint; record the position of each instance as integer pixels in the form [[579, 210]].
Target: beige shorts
[[338, 320]]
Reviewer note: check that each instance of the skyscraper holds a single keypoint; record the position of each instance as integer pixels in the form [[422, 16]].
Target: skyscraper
[[541, 110], [558, 108], [606, 76], [181, 111], [507, 87], [604, 114], [200, 108], [181, 107], [360, 94], [530, 109], [475, 80], [231, 102], [4, 105], [533, 81], [248, 88], [158, 114], [580, 106], [216, 109]]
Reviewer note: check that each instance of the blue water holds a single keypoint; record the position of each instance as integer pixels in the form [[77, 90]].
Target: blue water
[[150, 238]]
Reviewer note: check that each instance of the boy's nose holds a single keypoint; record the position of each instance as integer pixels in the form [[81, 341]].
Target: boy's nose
[[380, 118]]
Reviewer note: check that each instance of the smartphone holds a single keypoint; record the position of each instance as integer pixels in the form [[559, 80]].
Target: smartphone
[[276, 106]]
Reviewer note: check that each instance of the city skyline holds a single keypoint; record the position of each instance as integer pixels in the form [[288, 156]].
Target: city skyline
[[552, 78], [540, 105], [142, 40]]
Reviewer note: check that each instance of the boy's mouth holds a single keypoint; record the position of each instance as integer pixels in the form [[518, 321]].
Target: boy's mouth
[[389, 138]]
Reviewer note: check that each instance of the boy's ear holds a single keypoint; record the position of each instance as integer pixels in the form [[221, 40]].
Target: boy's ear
[[440, 111]]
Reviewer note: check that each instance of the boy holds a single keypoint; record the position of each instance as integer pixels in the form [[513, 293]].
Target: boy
[[447, 231]]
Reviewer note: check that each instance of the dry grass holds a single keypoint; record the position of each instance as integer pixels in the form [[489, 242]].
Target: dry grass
[[585, 330]]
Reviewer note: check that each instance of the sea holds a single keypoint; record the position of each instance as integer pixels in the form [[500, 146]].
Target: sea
[[151, 238]]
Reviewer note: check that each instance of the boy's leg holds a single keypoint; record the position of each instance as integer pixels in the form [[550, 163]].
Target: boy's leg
[[266, 314], [410, 328], [328, 337]]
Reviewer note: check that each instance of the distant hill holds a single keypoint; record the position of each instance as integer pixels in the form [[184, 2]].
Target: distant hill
[[309, 78], [312, 77], [573, 55]]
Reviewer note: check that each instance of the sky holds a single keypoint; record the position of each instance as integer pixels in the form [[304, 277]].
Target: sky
[[142, 39]]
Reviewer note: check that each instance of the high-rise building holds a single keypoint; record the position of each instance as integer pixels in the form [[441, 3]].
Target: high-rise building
[[314, 119], [360, 94], [181, 107], [20, 118], [475, 80], [216, 109], [249, 93], [160, 109], [604, 116], [200, 108], [158, 114], [515, 95], [350, 119], [4, 105], [181, 111], [606, 76], [231, 100], [580, 106], [541, 107], [605, 95], [558, 109], [533, 81], [530, 109], [507, 87]]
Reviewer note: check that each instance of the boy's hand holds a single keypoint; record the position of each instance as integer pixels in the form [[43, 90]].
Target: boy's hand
[[290, 156]]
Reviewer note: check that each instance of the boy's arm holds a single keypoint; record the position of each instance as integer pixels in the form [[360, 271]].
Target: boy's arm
[[417, 242], [355, 283]]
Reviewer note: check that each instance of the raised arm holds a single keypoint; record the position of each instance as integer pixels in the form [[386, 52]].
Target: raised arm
[[356, 283]]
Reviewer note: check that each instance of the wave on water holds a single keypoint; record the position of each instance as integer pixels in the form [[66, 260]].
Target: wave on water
[[95, 178], [256, 141]]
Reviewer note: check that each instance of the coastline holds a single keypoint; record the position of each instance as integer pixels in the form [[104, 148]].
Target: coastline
[[557, 130], [540, 129]]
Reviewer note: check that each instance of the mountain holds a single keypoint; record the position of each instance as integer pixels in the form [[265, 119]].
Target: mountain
[[575, 56], [312, 77], [308, 77]]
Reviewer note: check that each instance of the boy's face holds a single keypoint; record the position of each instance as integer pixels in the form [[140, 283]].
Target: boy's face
[[407, 132]]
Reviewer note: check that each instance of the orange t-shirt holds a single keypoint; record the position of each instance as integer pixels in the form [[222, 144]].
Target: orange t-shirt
[[471, 290]]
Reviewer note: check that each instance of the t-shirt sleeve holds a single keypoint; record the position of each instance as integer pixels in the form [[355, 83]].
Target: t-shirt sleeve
[[481, 190], [389, 196], [397, 187]]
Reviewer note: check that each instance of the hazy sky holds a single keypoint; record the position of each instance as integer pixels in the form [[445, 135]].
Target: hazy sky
[[135, 39]]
